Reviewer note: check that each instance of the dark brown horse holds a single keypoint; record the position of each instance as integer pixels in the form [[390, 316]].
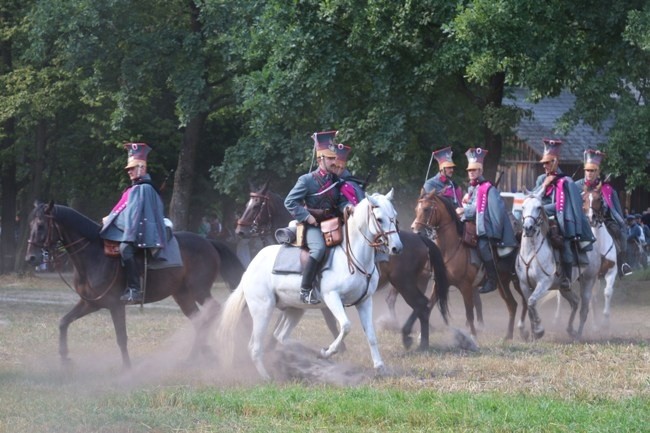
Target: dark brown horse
[[99, 279], [434, 212], [409, 273]]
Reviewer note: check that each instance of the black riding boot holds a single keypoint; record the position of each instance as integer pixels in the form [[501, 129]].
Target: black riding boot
[[307, 294], [491, 274], [133, 293], [567, 273]]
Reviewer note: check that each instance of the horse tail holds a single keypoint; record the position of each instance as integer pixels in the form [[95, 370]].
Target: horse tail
[[231, 268], [440, 277], [230, 315]]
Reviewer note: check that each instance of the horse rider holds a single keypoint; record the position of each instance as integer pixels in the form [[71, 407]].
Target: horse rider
[[137, 220], [562, 201], [443, 182], [314, 198], [612, 210], [352, 188], [484, 205]]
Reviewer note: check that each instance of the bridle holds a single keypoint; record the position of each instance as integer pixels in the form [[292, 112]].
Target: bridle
[[379, 240], [57, 248], [258, 228], [429, 224]]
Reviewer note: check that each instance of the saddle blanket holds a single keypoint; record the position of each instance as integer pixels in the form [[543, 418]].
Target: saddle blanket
[[169, 257], [288, 260]]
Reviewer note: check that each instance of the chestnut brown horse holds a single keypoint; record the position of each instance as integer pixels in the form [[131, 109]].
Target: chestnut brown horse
[[436, 213], [99, 279], [408, 273]]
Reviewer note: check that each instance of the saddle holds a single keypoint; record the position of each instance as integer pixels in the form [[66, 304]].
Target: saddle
[[292, 260]]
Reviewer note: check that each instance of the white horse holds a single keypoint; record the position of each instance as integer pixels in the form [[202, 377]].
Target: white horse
[[351, 280], [606, 249], [538, 270]]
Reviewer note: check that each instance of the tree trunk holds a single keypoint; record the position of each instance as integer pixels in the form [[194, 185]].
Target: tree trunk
[[180, 202], [8, 201]]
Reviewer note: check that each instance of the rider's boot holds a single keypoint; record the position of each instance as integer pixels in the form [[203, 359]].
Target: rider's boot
[[307, 294], [491, 274], [133, 293], [567, 274]]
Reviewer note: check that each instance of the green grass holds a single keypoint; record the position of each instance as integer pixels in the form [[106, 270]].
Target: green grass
[[299, 408]]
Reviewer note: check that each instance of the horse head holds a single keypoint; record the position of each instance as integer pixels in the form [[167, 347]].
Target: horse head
[[592, 205], [432, 212], [382, 222], [256, 218], [42, 234], [533, 216]]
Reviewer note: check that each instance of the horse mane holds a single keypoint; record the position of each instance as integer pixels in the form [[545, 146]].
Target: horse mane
[[451, 209], [69, 217]]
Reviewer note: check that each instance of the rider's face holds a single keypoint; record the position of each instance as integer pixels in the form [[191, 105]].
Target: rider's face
[[448, 171], [136, 172], [474, 173], [328, 163], [591, 174], [549, 166]]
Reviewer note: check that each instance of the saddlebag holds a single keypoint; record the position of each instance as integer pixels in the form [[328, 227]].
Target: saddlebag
[[332, 231], [470, 238]]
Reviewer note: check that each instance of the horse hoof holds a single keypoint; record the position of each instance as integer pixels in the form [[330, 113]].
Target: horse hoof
[[381, 371], [538, 334], [407, 341]]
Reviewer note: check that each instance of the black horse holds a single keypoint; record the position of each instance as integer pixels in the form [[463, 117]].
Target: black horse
[[409, 273], [99, 280]]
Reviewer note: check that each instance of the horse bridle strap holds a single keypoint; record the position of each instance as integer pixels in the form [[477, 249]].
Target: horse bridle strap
[[264, 204]]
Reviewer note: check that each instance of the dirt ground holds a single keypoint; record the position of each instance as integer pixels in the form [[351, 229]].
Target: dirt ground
[[160, 338]]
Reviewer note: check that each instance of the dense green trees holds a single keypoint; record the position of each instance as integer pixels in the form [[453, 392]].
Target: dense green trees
[[240, 86]]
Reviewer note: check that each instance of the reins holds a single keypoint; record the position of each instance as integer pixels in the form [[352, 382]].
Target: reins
[[253, 222], [48, 244]]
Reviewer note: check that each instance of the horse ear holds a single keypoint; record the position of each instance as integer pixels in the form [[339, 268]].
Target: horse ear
[[49, 207], [390, 194], [371, 200], [264, 188]]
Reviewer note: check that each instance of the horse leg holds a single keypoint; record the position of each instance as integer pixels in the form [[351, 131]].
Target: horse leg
[[586, 286], [535, 321], [511, 303], [261, 310], [286, 324], [118, 314], [524, 308], [332, 325], [365, 316], [610, 277], [468, 299], [558, 307], [81, 309], [190, 310], [391, 300], [420, 305], [478, 306], [573, 302], [333, 302]]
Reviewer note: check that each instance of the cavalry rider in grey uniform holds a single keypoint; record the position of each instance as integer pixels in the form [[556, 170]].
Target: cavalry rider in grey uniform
[[352, 188], [484, 205], [612, 210], [562, 200], [314, 198], [137, 220], [442, 182]]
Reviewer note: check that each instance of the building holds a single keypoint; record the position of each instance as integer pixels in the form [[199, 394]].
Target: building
[[522, 152]]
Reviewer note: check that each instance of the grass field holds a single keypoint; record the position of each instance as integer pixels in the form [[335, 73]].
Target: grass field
[[601, 384]]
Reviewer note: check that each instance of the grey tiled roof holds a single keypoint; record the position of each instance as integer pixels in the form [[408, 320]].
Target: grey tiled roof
[[542, 125]]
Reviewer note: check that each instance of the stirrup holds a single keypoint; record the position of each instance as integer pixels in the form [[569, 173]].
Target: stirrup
[[626, 269], [132, 296], [308, 297]]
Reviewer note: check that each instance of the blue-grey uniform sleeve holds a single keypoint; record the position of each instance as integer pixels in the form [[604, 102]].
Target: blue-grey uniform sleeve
[[295, 200]]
